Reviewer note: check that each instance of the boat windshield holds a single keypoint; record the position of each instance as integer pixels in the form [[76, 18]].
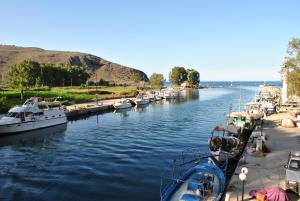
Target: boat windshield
[[13, 114]]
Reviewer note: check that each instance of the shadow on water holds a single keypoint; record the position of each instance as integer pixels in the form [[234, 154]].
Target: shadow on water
[[141, 108], [34, 138], [87, 116], [123, 112]]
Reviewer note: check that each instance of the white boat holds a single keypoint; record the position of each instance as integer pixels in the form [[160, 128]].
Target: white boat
[[140, 100], [150, 96], [169, 95], [122, 104], [158, 98], [30, 117]]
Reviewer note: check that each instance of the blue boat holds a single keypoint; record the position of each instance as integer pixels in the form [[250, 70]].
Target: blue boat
[[203, 180]]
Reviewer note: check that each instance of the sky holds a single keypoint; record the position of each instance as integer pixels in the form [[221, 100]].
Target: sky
[[224, 40]]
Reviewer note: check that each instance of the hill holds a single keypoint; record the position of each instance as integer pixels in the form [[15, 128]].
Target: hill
[[96, 66]]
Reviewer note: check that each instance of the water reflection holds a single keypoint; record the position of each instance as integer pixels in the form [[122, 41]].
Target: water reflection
[[123, 112], [141, 108], [184, 96], [87, 116], [35, 138]]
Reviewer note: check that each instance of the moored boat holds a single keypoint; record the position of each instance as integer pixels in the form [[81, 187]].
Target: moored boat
[[225, 147], [141, 100], [168, 95], [122, 104], [201, 181], [30, 117]]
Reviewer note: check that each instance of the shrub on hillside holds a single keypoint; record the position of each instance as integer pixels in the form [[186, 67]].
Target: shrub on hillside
[[2, 102]]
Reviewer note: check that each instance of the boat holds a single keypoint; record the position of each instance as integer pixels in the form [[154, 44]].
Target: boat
[[30, 117], [158, 96], [202, 179], [122, 104], [150, 96], [141, 100], [225, 147], [168, 95]]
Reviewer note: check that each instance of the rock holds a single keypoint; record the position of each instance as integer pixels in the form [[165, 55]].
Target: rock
[[287, 123]]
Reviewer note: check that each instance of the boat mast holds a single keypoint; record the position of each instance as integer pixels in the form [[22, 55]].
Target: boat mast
[[240, 99]]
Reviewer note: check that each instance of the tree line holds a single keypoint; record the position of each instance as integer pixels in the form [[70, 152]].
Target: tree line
[[30, 73], [292, 63], [177, 76]]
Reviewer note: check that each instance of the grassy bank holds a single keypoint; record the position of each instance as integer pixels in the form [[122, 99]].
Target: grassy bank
[[68, 95]]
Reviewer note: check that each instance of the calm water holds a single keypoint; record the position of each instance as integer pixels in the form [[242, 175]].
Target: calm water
[[113, 156]]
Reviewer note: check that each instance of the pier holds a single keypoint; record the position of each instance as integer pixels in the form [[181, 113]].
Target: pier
[[78, 110]]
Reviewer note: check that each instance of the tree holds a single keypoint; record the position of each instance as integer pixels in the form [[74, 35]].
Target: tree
[[137, 77], [292, 62], [193, 77], [2, 103], [178, 75], [30, 73], [23, 75], [103, 82], [156, 80]]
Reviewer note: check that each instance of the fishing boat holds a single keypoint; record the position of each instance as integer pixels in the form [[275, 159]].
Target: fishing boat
[[201, 180], [141, 100], [30, 117], [122, 104], [223, 147]]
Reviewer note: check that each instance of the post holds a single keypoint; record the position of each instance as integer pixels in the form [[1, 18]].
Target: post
[[242, 177], [243, 188], [96, 89]]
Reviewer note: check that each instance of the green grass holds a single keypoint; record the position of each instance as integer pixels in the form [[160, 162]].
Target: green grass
[[68, 94]]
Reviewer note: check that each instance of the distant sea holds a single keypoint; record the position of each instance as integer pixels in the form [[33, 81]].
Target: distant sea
[[234, 83]]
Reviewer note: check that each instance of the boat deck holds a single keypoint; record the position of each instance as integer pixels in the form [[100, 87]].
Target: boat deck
[[199, 186]]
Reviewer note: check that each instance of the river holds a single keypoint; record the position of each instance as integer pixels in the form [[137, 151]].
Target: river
[[112, 156]]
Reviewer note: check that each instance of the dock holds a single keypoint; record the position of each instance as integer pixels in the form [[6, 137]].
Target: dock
[[267, 171], [78, 110]]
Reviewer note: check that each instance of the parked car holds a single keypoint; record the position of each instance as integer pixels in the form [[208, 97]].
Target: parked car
[[292, 175]]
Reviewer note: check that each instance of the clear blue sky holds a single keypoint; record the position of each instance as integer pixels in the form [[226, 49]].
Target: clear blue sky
[[223, 40]]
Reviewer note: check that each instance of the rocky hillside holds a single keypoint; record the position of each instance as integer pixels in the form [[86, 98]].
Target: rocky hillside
[[112, 72]]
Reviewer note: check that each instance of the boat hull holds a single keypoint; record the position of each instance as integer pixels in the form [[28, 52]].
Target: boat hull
[[222, 156], [141, 102], [123, 106], [15, 128]]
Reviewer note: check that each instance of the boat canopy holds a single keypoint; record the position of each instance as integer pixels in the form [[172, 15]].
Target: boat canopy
[[30, 106], [229, 128]]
